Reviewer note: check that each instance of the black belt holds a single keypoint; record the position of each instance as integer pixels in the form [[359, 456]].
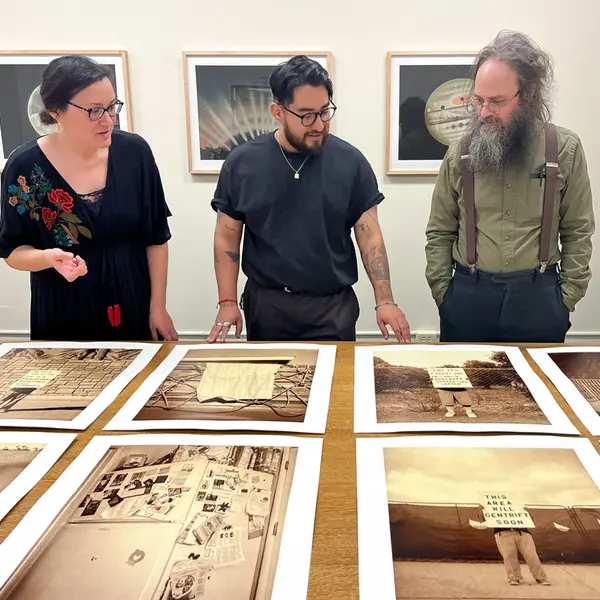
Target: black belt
[[290, 290]]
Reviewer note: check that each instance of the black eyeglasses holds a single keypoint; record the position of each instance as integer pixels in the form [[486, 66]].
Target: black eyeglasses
[[97, 112], [309, 118]]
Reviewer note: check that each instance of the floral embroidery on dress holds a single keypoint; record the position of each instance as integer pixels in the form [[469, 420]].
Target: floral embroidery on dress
[[59, 219]]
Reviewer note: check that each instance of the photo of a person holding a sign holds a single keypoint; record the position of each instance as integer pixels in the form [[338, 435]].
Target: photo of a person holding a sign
[[452, 385], [511, 523]]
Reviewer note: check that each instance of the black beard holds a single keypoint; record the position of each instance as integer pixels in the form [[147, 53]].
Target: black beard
[[300, 145], [492, 149]]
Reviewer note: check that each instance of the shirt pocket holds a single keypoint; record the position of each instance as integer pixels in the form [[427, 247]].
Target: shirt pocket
[[536, 189]]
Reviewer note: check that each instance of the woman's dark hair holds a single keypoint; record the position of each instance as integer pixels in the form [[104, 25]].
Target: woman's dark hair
[[63, 78], [299, 70]]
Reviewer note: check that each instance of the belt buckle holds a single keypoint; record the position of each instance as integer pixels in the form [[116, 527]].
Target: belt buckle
[[287, 289]]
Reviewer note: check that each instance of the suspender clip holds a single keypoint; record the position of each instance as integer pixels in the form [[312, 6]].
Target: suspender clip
[[473, 268], [543, 266]]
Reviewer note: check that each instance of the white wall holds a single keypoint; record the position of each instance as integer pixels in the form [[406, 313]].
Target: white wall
[[359, 34]]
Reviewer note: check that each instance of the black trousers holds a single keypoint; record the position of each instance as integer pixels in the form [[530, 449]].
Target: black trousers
[[519, 307], [278, 315]]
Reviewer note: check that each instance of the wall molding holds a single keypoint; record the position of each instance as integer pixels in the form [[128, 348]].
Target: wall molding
[[573, 337]]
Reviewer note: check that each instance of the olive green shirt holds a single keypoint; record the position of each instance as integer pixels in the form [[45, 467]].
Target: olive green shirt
[[508, 218]]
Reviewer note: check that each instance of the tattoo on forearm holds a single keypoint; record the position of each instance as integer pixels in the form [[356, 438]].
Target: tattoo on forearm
[[364, 227], [233, 256], [385, 291], [380, 269]]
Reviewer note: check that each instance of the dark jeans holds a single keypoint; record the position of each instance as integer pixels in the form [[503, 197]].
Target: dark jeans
[[520, 307], [278, 315]]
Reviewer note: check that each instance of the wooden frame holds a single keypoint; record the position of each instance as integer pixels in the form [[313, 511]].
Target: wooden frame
[[118, 58], [417, 166], [191, 59]]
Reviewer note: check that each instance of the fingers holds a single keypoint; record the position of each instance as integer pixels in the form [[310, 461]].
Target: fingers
[[154, 333], [383, 328], [174, 335], [397, 331], [405, 327], [224, 332], [214, 332], [238, 327]]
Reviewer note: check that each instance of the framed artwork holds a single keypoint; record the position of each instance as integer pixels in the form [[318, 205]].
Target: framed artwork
[[268, 387], [20, 102], [426, 108], [478, 517], [456, 387], [197, 516], [25, 457], [575, 371], [227, 101], [65, 385]]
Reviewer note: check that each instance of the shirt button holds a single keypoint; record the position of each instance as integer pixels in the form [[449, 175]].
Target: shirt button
[[508, 186], [507, 237], [508, 213], [507, 262]]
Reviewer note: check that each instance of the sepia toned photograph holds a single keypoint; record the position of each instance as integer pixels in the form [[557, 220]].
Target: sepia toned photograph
[[575, 371], [20, 101], [14, 458], [25, 457], [228, 102], [469, 520], [491, 388], [279, 387], [169, 521], [55, 384], [428, 96]]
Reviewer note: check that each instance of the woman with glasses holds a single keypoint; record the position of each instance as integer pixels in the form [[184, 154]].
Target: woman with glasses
[[83, 210]]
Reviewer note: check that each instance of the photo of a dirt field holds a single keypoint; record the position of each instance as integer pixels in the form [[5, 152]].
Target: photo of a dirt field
[[463, 386]]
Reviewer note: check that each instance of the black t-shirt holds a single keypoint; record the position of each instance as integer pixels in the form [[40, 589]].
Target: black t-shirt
[[297, 231]]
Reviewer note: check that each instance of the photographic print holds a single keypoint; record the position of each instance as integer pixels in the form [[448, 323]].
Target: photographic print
[[20, 101], [157, 536], [65, 385], [227, 101], [276, 387], [427, 108], [25, 457], [456, 387], [575, 371], [479, 517]]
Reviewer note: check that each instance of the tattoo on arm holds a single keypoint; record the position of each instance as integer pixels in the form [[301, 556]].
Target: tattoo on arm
[[379, 267], [233, 256]]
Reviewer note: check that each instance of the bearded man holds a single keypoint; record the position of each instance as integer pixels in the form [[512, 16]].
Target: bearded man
[[509, 234], [296, 194]]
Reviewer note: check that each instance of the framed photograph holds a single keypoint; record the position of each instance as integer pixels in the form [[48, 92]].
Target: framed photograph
[[65, 385], [456, 387], [207, 517], [228, 100], [20, 101], [478, 517], [267, 387], [25, 457], [575, 371], [427, 94]]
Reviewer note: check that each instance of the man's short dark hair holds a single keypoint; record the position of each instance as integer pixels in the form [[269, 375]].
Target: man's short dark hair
[[298, 71]]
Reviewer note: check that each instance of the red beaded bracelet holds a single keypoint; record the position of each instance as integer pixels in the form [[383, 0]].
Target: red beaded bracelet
[[226, 300]]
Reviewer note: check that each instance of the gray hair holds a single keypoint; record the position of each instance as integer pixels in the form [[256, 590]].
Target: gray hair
[[533, 66]]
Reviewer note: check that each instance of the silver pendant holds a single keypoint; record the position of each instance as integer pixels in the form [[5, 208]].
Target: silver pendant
[[296, 175]]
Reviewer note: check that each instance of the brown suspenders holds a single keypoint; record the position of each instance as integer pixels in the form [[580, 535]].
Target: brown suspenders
[[549, 172]]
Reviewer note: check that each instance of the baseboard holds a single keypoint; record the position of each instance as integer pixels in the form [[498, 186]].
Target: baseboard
[[574, 337]]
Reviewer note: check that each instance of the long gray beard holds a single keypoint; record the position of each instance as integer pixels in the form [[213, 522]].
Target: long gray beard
[[492, 149]]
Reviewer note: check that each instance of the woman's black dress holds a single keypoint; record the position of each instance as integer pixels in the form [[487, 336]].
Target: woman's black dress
[[110, 229]]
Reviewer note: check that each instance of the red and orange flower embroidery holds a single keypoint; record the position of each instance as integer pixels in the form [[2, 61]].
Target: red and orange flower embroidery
[[65, 226]]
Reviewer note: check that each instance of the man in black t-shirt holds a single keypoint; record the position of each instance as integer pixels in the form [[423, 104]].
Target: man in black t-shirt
[[297, 194]]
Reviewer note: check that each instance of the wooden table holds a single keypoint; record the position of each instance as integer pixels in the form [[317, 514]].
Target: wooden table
[[334, 563]]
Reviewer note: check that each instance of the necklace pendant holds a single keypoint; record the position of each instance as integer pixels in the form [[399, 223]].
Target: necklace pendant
[[296, 175]]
